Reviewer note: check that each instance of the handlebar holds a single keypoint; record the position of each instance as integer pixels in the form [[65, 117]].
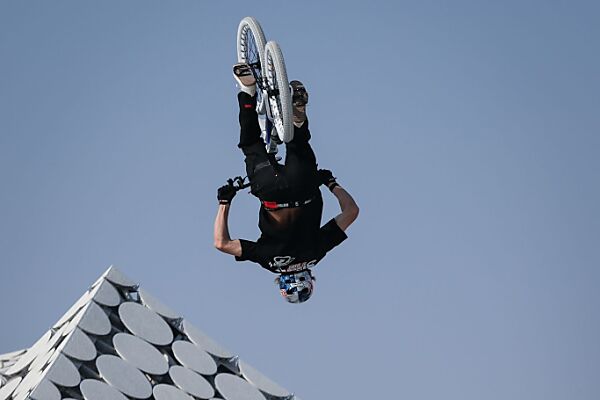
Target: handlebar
[[238, 182]]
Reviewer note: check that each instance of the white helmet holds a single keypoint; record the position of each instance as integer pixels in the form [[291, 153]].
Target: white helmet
[[296, 287]]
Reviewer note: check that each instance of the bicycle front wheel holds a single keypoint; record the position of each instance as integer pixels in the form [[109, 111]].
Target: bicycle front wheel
[[280, 98]]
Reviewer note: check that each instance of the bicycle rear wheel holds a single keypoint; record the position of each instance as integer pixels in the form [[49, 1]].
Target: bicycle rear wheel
[[280, 98], [251, 46]]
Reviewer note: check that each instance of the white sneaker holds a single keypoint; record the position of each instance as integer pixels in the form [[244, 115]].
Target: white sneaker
[[245, 78]]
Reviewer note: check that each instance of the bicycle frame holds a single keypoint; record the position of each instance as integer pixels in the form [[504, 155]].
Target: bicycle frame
[[264, 108]]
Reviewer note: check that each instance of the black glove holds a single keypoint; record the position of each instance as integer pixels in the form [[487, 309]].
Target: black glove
[[326, 178], [226, 193]]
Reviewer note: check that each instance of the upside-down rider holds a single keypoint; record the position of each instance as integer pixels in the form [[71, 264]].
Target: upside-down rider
[[292, 239]]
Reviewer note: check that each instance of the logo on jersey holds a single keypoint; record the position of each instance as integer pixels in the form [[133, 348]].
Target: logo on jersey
[[281, 261], [283, 264]]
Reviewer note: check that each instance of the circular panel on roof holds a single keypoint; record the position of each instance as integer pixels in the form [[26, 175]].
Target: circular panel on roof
[[116, 277], [204, 342], [32, 353], [57, 337], [140, 354], [92, 389], [191, 382], [45, 391], [168, 392], [27, 384], [41, 361], [262, 382], [12, 355], [97, 282], [95, 320], [21, 395], [145, 323], [124, 377], [80, 346], [157, 306], [75, 308], [233, 387], [70, 326], [63, 372], [74, 322], [193, 357], [107, 295], [9, 388]]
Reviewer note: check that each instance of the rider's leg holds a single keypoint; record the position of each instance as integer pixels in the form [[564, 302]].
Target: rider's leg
[[299, 150], [301, 164], [249, 127], [259, 166]]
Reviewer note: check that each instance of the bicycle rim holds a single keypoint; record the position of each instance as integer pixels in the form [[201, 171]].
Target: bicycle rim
[[251, 44]]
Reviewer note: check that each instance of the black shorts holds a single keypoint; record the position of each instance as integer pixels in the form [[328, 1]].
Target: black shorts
[[294, 180]]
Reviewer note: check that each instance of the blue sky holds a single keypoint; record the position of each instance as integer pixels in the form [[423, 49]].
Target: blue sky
[[466, 131]]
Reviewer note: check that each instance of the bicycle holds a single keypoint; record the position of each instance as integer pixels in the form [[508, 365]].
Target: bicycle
[[274, 99]]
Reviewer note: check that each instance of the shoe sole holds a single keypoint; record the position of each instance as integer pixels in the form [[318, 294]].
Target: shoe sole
[[244, 75]]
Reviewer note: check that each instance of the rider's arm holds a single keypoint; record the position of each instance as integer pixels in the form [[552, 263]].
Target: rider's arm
[[348, 207], [223, 241]]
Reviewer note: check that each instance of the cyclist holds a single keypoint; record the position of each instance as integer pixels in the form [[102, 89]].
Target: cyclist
[[292, 239]]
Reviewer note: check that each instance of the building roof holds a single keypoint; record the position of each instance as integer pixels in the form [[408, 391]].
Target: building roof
[[119, 342]]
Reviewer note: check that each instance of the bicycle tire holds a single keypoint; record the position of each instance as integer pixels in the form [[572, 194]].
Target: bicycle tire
[[280, 98], [251, 44]]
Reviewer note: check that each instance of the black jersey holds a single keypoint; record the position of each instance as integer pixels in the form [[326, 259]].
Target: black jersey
[[296, 247], [292, 253]]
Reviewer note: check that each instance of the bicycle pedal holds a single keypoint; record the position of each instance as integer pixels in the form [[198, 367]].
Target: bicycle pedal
[[272, 147]]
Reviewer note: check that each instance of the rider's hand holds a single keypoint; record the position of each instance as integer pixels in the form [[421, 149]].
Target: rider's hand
[[226, 193], [326, 178]]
